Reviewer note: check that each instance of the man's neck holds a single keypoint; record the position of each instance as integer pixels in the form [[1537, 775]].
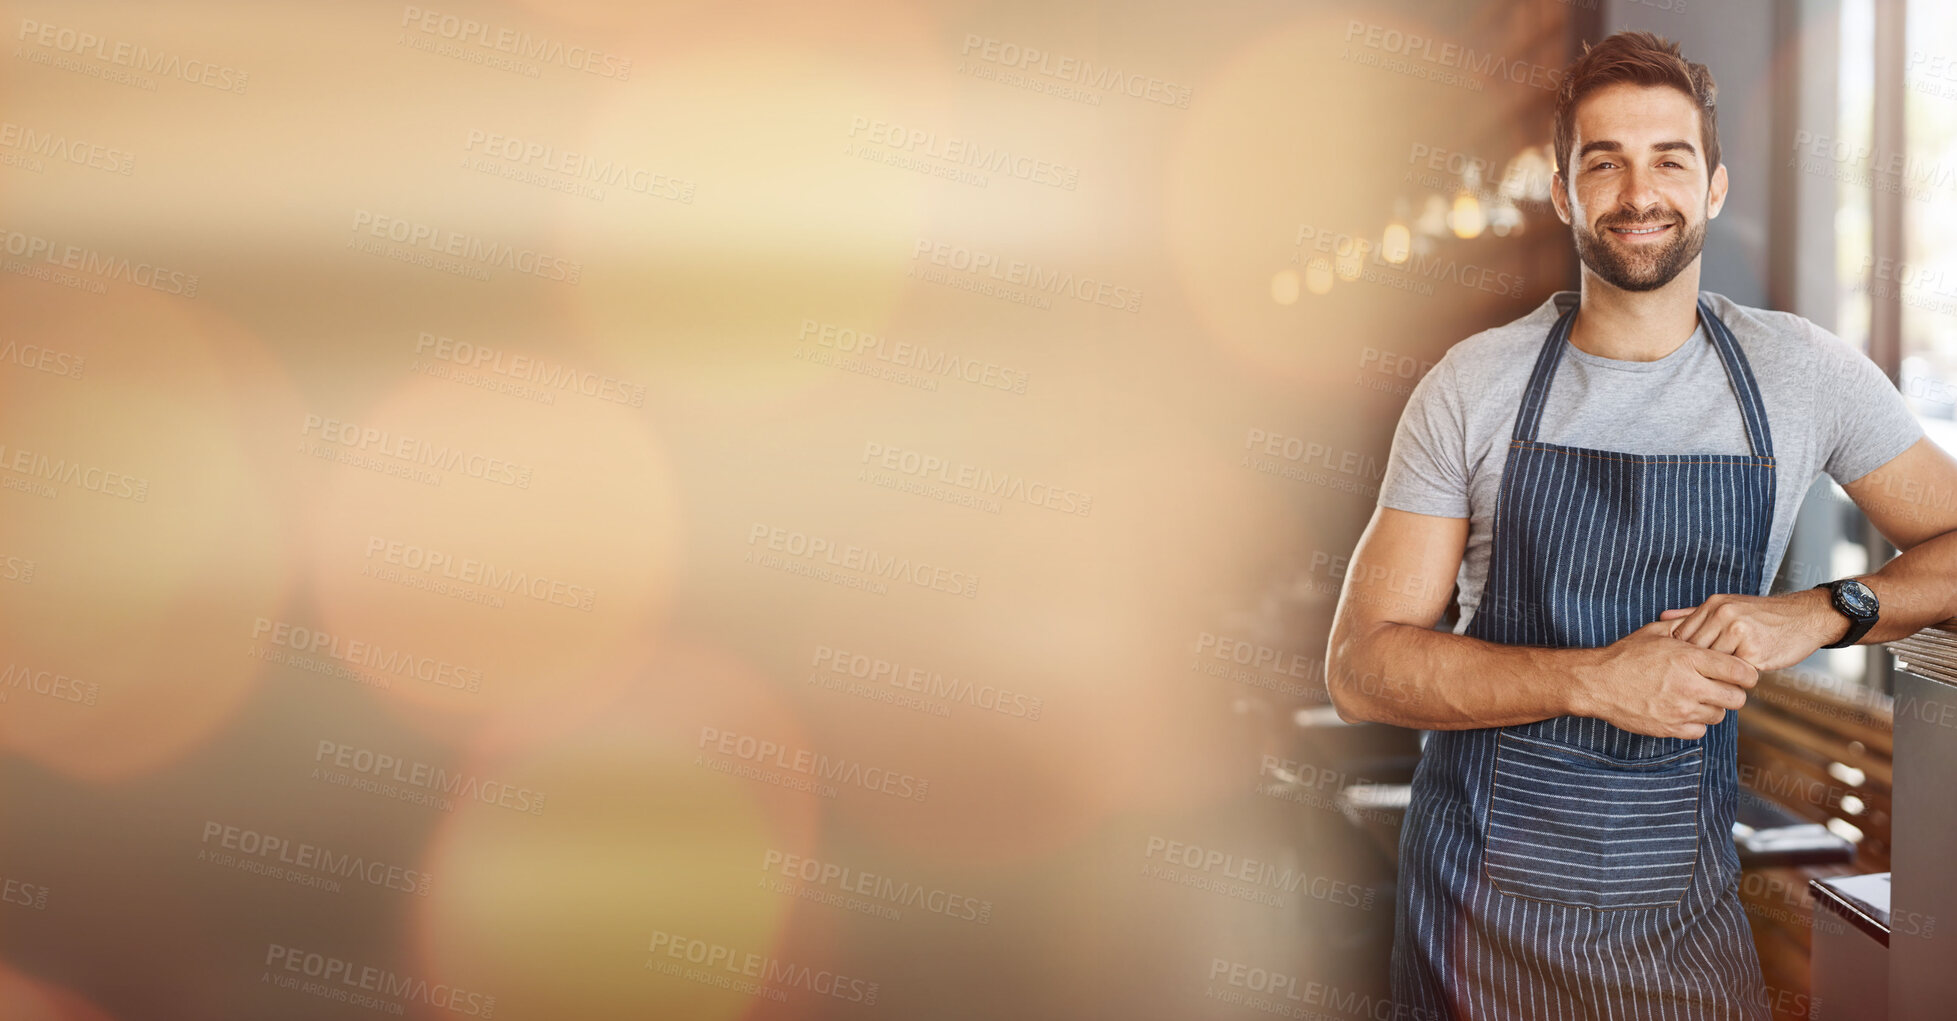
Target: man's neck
[[1636, 326]]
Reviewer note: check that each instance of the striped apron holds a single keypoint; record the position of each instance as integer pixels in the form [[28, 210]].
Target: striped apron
[[1567, 868]]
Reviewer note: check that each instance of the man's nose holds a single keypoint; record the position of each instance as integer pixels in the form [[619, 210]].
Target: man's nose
[[1640, 191]]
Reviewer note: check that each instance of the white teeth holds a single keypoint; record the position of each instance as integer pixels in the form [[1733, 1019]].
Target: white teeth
[[1644, 230]]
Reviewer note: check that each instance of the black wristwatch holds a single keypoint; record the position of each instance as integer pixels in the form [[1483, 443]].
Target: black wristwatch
[[1857, 603]]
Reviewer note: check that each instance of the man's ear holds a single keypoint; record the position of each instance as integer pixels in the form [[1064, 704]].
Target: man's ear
[[1559, 197], [1716, 194]]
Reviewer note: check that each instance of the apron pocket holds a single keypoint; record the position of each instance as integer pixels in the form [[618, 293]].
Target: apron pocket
[[1576, 827]]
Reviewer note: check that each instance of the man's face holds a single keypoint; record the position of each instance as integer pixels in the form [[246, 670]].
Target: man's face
[[1639, 194]]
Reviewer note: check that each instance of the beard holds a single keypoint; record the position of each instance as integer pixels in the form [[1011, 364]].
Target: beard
[[1642, 268]]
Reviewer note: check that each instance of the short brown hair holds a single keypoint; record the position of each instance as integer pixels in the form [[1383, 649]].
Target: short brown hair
[[1639, 58]]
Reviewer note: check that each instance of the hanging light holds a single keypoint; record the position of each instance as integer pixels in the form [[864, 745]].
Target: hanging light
[[1467, 220], [1396, 242], [1529, 176]]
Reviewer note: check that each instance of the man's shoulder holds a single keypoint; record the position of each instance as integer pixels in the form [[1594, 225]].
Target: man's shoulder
[[1785, 340], [1750, 323]]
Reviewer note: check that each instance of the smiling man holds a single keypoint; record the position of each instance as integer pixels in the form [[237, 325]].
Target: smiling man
[[1614, 532]]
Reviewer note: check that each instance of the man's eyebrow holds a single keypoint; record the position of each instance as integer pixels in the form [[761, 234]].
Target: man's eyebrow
[[1606, 145]]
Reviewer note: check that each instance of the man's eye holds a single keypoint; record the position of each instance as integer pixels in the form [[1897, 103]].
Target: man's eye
[[1601, 164]]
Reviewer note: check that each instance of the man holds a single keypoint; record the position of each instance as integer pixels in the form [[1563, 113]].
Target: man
[[1613, 477]]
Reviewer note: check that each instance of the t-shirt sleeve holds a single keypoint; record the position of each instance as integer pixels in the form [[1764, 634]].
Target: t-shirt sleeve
[[1426, 472], [1862, 420]]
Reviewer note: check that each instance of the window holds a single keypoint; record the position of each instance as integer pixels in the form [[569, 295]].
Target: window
[[1927, 373], [1894, 125]]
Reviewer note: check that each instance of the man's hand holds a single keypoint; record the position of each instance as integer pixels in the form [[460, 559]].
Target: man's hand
[[1770, 632], [1649, 682]]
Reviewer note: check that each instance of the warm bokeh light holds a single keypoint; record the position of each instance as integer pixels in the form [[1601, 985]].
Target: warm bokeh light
[[143, 487], [555, 913], [1318, 275], [478, 569], [1284, 287], [840, 489], [1396, 244], [1467, 219]]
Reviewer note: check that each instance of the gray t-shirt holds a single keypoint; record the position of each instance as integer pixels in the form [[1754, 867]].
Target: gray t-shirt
[[1829, 407]]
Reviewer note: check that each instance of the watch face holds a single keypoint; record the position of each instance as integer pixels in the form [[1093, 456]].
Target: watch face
[[1856, 598]]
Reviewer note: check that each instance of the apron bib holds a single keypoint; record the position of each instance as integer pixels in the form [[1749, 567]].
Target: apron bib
[[1567, 868]]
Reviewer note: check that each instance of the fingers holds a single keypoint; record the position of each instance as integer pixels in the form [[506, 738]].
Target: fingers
[[1720, 666], [1723, 696], [1696, 723], [1657, 627], [1709, 619], [1692, 624], [1728, 641]]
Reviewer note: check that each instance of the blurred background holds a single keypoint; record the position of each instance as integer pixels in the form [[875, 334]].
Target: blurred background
[[768, 510]]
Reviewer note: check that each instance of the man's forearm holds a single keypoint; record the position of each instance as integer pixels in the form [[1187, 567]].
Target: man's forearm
[[1417, 677], [1917, 588]]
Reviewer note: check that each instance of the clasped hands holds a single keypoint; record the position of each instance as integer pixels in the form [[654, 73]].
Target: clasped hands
[[1646, 683], [1769, 632]]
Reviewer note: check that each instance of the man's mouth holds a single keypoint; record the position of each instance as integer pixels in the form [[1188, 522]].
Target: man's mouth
[[1644, 231]]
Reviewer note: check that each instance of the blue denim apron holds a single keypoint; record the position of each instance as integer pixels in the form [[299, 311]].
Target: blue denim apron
[[1567, 868]]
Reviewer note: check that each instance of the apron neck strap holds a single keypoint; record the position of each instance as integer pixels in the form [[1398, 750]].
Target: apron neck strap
[[1752, 409]]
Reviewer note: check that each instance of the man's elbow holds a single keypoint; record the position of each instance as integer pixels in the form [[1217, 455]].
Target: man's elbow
[[1347, 699]]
